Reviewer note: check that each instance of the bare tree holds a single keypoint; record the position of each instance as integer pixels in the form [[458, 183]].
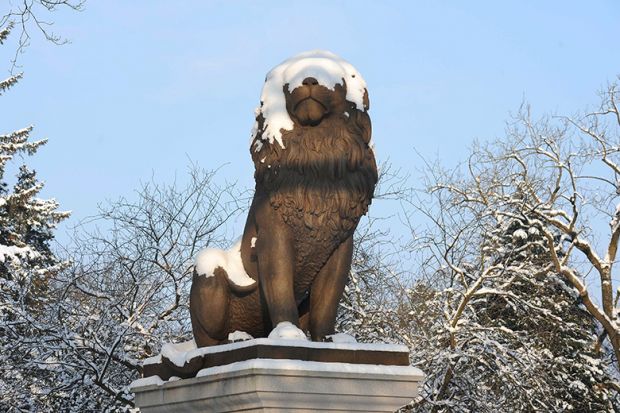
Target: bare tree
[[514, 240], [126, 291], [368, 307], [30, 15], [550, 174]]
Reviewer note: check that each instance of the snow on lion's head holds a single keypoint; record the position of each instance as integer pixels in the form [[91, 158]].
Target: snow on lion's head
[[305, 90]]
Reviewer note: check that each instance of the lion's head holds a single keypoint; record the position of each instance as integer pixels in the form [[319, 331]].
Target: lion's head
[[306, 91]]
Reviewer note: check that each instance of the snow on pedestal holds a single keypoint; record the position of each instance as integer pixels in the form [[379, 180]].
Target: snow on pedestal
[[284, 384]]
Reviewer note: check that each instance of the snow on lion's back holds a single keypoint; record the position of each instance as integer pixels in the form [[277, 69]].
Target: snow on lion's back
[[326, 67], [230, 260]]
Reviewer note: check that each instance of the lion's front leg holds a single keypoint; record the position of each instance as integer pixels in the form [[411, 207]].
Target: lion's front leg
[[275, 255], [327, 290]]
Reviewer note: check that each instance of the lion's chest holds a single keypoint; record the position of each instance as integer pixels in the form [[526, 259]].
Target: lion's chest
[[320, 218], [320, 186]]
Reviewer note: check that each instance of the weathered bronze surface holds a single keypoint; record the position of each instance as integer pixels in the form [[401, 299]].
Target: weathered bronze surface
[[308, 200]]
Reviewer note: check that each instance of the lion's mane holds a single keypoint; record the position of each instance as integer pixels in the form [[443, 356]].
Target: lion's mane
[[320, 183]]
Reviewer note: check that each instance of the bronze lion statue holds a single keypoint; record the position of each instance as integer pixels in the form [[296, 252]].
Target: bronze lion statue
[[315, 176]]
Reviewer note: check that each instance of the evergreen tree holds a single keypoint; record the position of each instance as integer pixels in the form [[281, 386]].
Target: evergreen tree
[[511, 339], [27, 265]]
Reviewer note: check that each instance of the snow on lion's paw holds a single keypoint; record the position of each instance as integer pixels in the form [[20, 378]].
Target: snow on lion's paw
[[239, 336], [341, 338], [287, 331]]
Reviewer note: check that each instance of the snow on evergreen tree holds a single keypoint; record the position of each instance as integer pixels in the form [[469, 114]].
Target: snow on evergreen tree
[[509, 336], [26, 266]]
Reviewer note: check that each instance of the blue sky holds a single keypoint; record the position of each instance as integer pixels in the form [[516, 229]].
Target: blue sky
[[146, 86]]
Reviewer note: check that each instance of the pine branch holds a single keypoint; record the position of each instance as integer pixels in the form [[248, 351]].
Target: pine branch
[[4, 33], [6, 84]]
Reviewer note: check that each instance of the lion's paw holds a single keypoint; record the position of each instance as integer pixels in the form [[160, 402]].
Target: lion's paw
[[286, 330]]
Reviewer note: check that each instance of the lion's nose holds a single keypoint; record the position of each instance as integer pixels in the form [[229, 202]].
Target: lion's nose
[[310, 81]]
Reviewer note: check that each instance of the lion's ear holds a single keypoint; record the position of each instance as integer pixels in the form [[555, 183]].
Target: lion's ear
[[366, 100]]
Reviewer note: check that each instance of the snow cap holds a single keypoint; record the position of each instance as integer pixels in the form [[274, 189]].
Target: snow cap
[[230, 260], [326, 67]]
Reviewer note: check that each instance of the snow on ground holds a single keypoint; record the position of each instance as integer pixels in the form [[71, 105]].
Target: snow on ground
[[230, 260], [326, 67]]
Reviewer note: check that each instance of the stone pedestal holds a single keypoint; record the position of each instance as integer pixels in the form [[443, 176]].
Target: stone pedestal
[[287, 385]]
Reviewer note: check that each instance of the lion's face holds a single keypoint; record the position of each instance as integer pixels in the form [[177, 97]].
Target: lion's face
[[315, 88], [310, 103]]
